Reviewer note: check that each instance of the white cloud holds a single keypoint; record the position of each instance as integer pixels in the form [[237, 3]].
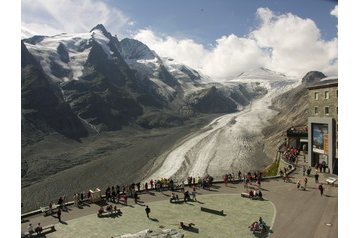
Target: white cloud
[[233, 55], [185, 51], [285, 43], [52, 17], [334, 12], [296, 44]]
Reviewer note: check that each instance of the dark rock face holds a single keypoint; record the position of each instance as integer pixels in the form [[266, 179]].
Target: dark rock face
[[312, 77], [43, 107], [212, 101], [63, 53]]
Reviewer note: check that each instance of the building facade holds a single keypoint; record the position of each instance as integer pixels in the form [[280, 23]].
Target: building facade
[[323, 124]]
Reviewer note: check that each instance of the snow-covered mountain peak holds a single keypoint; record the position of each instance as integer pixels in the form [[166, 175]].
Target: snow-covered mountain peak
[[262, 73], [132, 49], [101, 29]]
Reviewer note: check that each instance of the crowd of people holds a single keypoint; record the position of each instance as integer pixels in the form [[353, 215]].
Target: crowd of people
[[290, 154]]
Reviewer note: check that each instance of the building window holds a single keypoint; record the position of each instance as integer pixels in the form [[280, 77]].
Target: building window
[[326, 110], [316, 110], [337, 93], [326, 95], [337, 109], [316, 95]]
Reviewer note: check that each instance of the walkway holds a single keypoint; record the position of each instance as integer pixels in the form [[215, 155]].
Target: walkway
[[291, 212]]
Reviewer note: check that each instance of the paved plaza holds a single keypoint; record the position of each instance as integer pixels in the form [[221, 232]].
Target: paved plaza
[[288, 211]]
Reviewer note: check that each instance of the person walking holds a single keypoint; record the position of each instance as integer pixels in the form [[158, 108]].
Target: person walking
[[320, 187], [316, 177], [304, 170], [59, 214], [147, 211], [306, 180]]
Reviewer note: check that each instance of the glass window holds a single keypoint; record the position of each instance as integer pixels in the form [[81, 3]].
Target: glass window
[[326, 95], [315, 110], [316, 95], [326, 110]]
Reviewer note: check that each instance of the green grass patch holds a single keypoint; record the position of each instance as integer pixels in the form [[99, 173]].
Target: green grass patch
[[272, 169]]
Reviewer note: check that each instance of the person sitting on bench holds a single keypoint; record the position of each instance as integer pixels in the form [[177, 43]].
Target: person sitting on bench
[[100, 211], [30, 229], [38, 229], [172, 199], [115, 210], [262, 224], [254, 226], [109, 209]]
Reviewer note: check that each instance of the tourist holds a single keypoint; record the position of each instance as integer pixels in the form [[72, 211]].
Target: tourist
[[172, 199], [146, 187], [30, 229], [308, 171], [60, 202], [88, 195], [194, 193], [75, 201], [186, 196], [82, 197], [320, 188], [100, 211], [298, 184], [138, 186], [316, 177], [50, 207], [324, 166], [38, 229], [147, 211], [136, 197], [306, 180], [304, 170], [59, 214], [125, 197]]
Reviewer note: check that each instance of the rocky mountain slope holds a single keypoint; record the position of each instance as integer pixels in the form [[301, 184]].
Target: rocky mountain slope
[[108, 84], [292, 109]]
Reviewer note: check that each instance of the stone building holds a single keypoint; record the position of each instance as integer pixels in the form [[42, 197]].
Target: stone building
[[323, 123]]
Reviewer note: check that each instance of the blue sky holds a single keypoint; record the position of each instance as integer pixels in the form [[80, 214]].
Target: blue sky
[[205, 21], [219, 38]]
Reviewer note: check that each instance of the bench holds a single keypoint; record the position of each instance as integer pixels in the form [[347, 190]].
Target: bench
[[245, 195], [46, 210], [204, 209], [331, 181], [108, 214], [45, 229], [189, 227]]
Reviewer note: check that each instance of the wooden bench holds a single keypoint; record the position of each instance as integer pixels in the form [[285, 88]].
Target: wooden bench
[[45, 229], [204, 209], [331, 181]]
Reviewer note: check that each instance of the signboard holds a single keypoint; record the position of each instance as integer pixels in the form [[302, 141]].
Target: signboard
[[325, 143], [319, 143]]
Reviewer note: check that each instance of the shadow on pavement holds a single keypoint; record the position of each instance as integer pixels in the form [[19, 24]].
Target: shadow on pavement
[[153, 219]]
